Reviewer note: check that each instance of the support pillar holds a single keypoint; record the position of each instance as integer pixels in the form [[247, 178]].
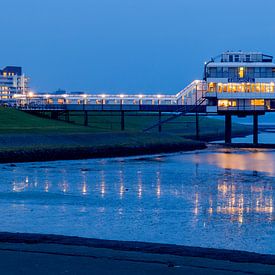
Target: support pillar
[[122, 121], [255, 129], [228, 128], [85, 118], [54, 114], [197, 126], [67, 117], [160, 126]]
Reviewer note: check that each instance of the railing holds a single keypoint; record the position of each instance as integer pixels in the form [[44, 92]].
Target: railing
[[185, 96], [180, 112], [242, 108]]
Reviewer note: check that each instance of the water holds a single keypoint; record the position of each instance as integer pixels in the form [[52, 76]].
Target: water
[[212, 198], [264, 137]]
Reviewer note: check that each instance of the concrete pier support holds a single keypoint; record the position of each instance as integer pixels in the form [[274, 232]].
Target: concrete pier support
[[197, 127], [228, 128], [160, 126], [255, 129], [54, 114], [67, 116], [86, 118], [122, 121]]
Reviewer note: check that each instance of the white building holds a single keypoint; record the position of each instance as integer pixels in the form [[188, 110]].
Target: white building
[[12, 82], [241, 81]]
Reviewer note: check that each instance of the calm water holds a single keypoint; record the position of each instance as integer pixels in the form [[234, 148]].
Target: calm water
[[212, 198]]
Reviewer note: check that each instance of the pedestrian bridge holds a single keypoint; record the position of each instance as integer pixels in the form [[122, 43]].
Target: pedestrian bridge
[[196, 99]]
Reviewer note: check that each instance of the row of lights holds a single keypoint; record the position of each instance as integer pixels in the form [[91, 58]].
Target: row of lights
[[31, 94]]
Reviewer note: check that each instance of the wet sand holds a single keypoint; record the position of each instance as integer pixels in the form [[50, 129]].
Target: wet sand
[[51, 254]]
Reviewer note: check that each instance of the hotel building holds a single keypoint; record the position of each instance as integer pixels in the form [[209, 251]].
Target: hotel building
[[12, 82], [240, 81]]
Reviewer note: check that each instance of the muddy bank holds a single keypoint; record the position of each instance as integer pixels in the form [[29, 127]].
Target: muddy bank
[[73, 153]]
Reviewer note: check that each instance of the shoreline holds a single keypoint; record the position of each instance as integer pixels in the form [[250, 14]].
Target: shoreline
[[89, 152], [237, 256], [19, 151]]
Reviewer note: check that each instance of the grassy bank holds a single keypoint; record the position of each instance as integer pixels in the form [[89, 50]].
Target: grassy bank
[[210, 128], [25, 137]]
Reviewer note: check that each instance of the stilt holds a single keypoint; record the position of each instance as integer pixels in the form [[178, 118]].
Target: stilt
[[255, 129], [122, 121], [54, 114], [197, 126], [85, 118], [67, 117], [228, 128], [160, 126]]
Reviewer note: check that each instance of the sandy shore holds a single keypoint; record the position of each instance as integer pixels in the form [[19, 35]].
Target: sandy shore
[[51, 254]]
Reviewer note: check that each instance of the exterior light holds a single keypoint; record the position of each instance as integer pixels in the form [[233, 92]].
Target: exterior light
[[140, 96], [158, 96], [103, 96], [47, 96], [30, 94], [121, 96], [85, 96], [65, 95]]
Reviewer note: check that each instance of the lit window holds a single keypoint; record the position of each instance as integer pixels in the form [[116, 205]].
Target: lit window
[[227, 103], [223, 103], [60, 101], [241, 72], [257, 102]]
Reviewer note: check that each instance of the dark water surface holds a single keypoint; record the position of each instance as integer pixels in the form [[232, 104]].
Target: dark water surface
[[219, 198]]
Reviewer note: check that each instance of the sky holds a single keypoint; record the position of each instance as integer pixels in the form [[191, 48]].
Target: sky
[[128, 46]]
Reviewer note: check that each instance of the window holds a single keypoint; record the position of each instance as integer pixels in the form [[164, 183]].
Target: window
[[213, 72], [212, 87], [257, 72], [219, 71], [257, 102], [241, 72], [237, 58], [227, 103], [232, 72], [60, 101], [225, 72], [230, 58]]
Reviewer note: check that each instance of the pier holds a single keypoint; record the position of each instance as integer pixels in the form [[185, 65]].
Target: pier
[[234, 84]]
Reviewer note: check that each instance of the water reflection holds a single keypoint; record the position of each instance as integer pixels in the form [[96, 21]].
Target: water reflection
[[246, 161], [184, 192]]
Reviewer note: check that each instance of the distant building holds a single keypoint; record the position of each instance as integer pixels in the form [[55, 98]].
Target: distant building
[[241, 81], [12, 82]]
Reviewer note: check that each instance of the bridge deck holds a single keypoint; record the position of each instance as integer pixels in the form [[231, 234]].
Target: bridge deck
[[107, 107]]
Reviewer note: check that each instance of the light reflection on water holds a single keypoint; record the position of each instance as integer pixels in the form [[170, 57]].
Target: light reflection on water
[[213, 198]]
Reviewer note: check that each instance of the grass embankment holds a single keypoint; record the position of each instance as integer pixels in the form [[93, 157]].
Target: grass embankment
[[25, 137], [210, 128]]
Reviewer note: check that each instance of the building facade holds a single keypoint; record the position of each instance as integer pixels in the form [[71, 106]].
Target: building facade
[[12, 82], [240, 81]]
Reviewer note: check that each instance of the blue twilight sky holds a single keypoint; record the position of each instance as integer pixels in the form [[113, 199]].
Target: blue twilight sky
[[128, 45]]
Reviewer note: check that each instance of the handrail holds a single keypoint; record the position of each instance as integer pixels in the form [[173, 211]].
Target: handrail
[[184, 111]]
